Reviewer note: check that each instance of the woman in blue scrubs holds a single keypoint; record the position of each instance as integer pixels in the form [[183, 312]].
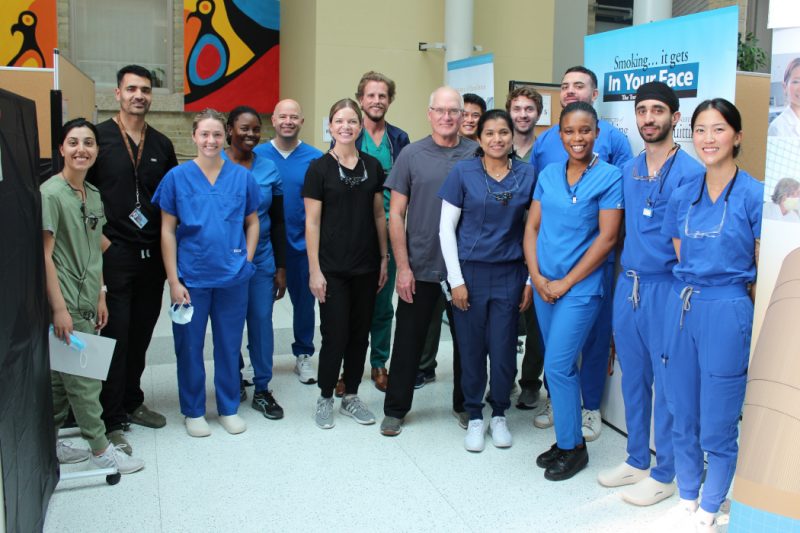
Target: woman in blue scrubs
[[269, 282], [484, 201], [209, 232], [347, 258], [715, 224], [573, 224]]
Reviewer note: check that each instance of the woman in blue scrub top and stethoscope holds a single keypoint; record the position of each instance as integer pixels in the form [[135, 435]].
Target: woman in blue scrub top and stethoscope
[[269, 282], [209, 232], [573, 224], [715, 224], [484, 201]]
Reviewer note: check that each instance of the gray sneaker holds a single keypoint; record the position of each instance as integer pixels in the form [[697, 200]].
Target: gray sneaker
[[528, 399], [391, 426], [114, 457], [353, 407], [324, 415], [117, 438], [68, 455]]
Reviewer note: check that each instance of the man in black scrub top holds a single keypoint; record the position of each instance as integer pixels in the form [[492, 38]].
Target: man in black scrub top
[[132, 160]]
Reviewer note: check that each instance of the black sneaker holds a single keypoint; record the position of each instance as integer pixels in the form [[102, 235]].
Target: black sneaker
[[264, 402], [424, 377], [546, 459], [567, 463]]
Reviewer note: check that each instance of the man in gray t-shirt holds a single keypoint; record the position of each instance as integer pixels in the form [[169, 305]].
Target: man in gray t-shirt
[[415, 180]]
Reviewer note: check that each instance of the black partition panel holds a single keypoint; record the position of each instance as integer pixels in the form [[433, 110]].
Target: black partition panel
[[27, 439]]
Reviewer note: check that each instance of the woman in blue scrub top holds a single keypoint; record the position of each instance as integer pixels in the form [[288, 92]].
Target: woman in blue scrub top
[[715, 224], [347, 258], [209, 232], [269, 282], [572, 226], [484, 201]]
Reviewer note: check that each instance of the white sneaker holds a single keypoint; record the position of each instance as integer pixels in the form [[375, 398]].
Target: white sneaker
[[680, 518], [114, 457], [233, 424], [622, 474], [501, 437], [648, 491], [68, 455], [592, 424], [197, 426], [305, 370], [474, 441], [544, 419], [705, 522]]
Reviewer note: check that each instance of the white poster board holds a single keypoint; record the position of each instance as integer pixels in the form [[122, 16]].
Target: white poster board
[[473, 75], [92, 362]]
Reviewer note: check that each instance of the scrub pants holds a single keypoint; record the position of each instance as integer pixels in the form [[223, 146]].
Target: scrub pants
[[427, 362], [345, 318], [227, 308], [302, 301], [260, 335], [82, 394], [707, 357], [381, 331], [597, 348], [565, 326], [533, 360], [489, 327], [640, 341], [413, 322]]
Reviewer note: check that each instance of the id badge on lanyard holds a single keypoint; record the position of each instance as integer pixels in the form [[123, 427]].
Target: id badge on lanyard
[[136, 216]]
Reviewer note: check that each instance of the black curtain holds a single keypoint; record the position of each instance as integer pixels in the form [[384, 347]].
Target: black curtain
[[27, 439]]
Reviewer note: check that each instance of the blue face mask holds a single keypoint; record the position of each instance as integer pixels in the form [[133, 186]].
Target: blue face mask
[[181, 313]]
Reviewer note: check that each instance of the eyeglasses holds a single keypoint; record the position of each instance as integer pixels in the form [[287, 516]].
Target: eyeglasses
[[658, 175], [441, 111], [350, 181], [714, 231], [89, 219], [501, 196]]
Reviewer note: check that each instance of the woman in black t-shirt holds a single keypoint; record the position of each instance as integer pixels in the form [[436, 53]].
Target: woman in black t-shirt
[[347, 258]]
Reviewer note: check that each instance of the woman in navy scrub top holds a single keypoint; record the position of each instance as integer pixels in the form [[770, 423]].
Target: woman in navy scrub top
[[484, 201], [573, 224], [715, 224], [209, 232]]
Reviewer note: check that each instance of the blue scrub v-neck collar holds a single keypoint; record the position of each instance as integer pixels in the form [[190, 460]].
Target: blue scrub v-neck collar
[[219, 175]]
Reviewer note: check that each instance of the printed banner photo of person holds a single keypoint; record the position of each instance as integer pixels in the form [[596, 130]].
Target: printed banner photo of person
[[231, 52], [28, 33]]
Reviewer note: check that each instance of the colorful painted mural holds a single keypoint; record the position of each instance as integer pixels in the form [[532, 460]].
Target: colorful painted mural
[[28, 33], [231, 52]]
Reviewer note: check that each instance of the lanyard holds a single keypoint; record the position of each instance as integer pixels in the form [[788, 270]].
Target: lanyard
[[135, 162], [650, 201], [573, 191], [727, 194]]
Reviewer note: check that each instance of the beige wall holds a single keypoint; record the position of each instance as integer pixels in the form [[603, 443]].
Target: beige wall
[[318, 71], [520, 34]]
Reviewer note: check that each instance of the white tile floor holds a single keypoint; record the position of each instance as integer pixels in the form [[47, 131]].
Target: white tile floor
[[289, 475]]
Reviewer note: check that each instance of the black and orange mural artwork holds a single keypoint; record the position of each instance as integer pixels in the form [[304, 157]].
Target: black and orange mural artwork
[[28, 33], [231, 52]]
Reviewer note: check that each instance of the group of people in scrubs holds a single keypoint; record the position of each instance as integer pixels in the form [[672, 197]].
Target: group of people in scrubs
[[512, 236]]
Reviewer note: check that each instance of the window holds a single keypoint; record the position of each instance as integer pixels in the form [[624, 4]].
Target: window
[[109, 34]]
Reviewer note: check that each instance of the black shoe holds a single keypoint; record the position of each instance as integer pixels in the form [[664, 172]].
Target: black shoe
[[264, 402], [424, 377], [242, 392], [567, 464], [546, 459]]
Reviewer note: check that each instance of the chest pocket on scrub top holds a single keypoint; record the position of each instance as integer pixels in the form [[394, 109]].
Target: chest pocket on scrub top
[[580, 215], [232, 207]]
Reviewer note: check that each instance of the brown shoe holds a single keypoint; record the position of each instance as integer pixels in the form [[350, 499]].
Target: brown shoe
[[339, 392], [381, 378]]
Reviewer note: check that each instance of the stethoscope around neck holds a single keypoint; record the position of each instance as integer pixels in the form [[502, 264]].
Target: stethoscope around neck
[[573, 191]]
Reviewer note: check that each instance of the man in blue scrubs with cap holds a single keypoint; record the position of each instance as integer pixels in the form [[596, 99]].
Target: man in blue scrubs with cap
[[579, 84], [644, 284]]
